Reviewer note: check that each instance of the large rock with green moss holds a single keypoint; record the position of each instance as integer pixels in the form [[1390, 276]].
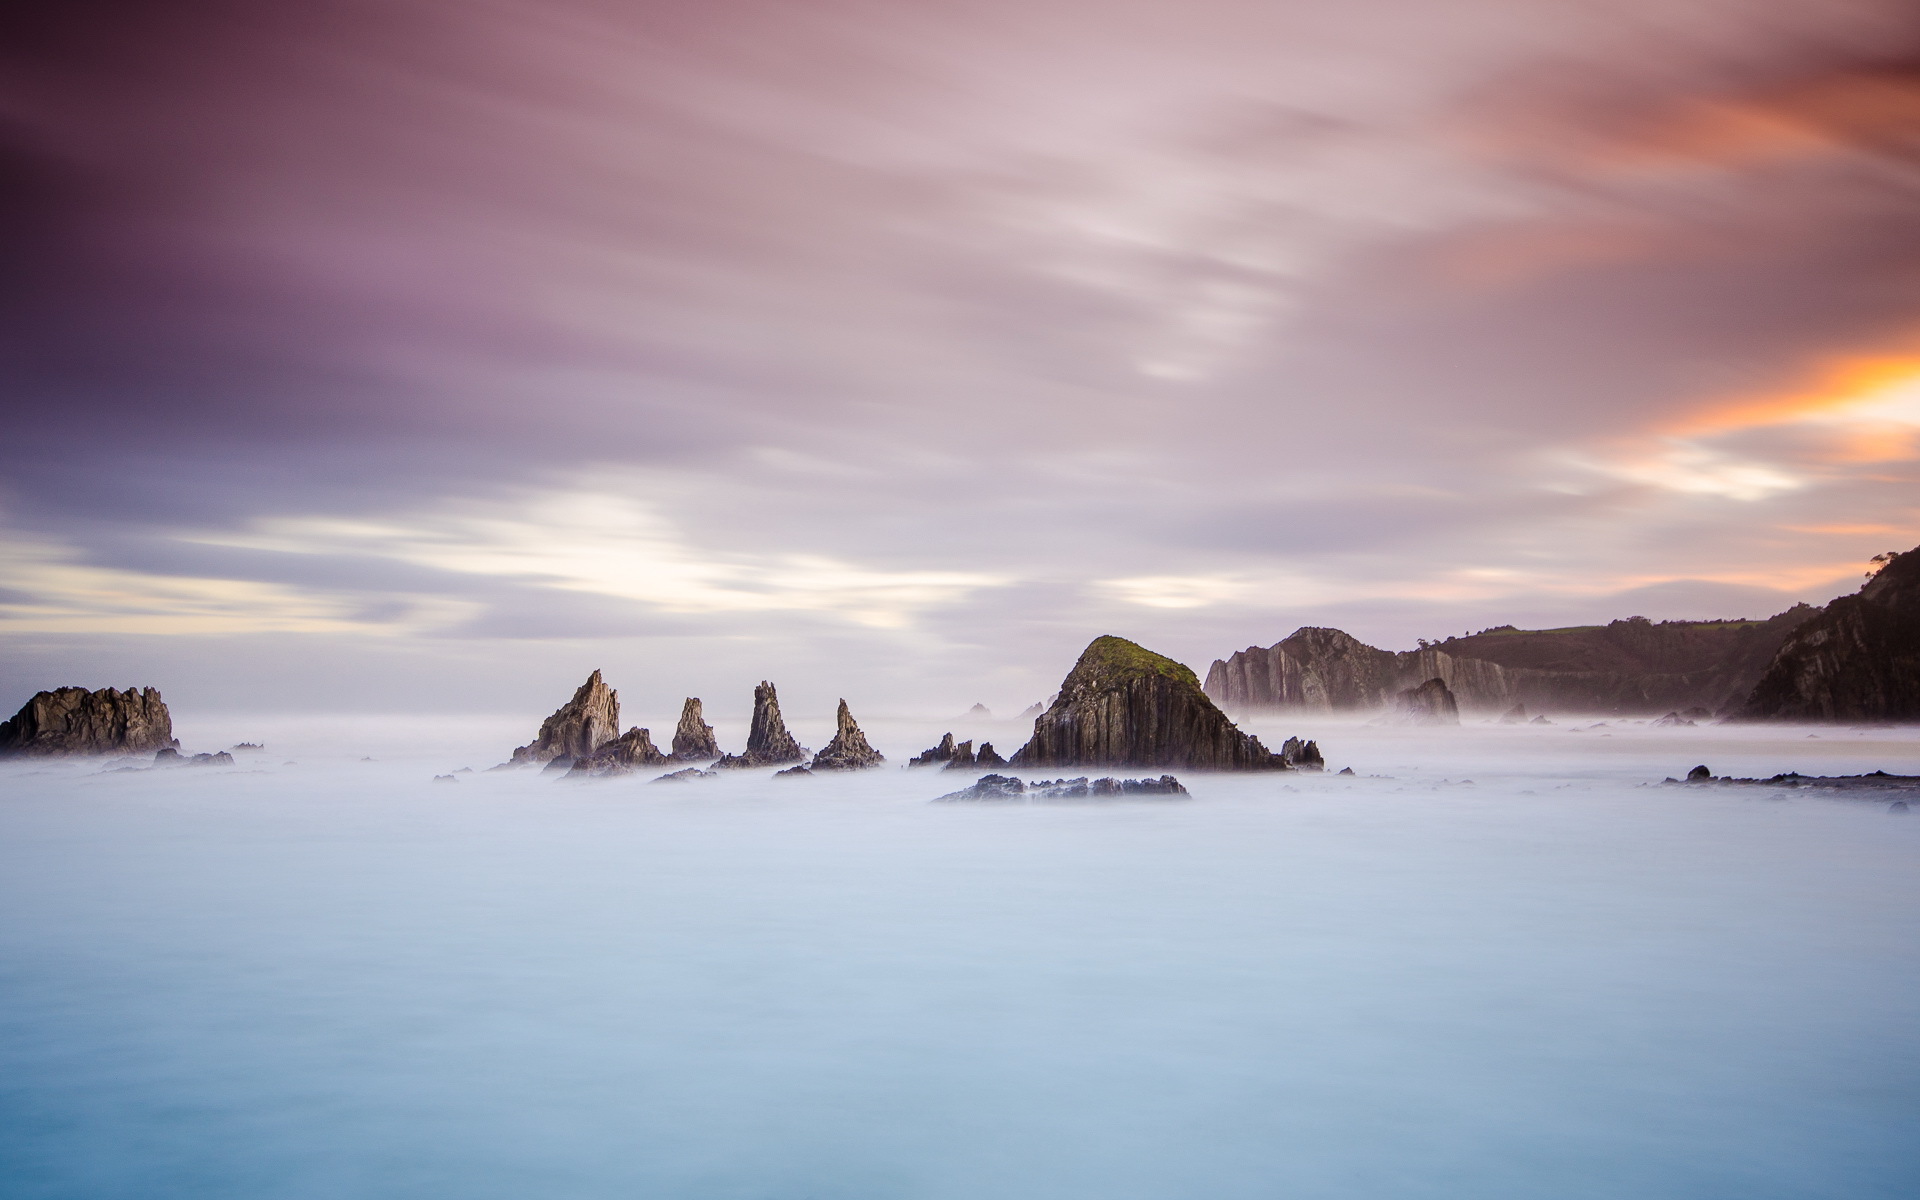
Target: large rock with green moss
[[1122, 705]]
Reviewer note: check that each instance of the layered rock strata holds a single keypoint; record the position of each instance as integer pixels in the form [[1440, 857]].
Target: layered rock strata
[[848, 751], [768, 742], [693, 739], [577, 728], [73, 720], [1628, 667], [1857, 661], [630, 752], [1124, 705]]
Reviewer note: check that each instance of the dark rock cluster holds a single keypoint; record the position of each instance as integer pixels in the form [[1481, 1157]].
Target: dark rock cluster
[[1007, 787], [73, 720], [1123, 705], [943, 752], [631, 751]]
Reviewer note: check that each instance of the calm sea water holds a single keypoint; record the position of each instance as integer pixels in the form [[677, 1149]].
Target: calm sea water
[[339, 979]]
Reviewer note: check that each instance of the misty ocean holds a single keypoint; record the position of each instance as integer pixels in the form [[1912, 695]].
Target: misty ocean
[[1491, 965]]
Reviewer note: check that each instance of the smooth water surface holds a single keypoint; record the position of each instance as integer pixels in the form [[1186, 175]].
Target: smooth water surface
[[1490, 965]]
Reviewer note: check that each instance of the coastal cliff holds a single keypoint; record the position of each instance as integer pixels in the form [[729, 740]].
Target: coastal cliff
[[1123, 705], [1857, 661], [73, 720], [1630, 666]]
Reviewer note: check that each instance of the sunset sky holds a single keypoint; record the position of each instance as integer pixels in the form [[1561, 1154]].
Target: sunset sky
[[373, 356]]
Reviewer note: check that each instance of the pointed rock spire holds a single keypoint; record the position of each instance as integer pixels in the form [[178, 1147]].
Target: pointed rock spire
[[693, 741], [942, 753], [848, 751], [577, 728], [768, 742]]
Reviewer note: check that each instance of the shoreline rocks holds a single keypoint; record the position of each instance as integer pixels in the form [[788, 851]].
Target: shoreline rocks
[[1007, 787], [75, 721]]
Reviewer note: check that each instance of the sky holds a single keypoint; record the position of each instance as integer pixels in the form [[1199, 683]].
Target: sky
[[376, 357]]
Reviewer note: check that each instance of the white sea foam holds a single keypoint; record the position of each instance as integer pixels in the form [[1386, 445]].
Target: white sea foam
[[1490, 964]]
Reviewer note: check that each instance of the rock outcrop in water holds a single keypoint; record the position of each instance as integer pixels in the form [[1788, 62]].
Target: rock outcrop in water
[[693, 739], [1304, 756], [848, 751], [1429, 704], [768, 742], [577, 728], [963, 758], [1634, 666], [1006, 787], [1124, 705], [1859, 660], [630, 752], [943, 752], [73, 720], [988, 756]]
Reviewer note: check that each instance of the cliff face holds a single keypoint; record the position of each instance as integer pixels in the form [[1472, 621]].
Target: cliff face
[[848, 751], [693, 739], [1125, 706], [73, 720], [768, 742], [1626, 667], [1857, 661], [578, 727]]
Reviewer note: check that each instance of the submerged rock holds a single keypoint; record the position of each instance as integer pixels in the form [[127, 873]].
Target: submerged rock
[[1429, 704], [577, 728], [848, 751], [768, 742], [1859, 660], [73, 720], [630, 752], [683, 775], [1674, 720], [1006, 787], [792, 772], [941, 753], [1124, 705], [693, 739]]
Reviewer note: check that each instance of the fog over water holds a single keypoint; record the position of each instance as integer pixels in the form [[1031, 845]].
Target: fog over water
[[1492, 964]]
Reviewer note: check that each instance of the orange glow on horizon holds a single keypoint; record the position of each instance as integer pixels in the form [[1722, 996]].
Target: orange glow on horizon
[[1866, 389]]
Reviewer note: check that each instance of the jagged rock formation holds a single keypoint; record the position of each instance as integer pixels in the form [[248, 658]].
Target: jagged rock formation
[[1124, 705], [1429, 704], [1029, 713], [988, 757], [941, 753], [1303, 756], [683, 775], [1674, 720], [979, 712], [693, 739], [962, 759], [1627, 667], [624, 755], [848, 751], [73, 720], [168, 756], [577, 728], [768, 742], [1006, 787], [1857, 661]]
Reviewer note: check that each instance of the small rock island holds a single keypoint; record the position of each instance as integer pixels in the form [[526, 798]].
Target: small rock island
[[73, 720]]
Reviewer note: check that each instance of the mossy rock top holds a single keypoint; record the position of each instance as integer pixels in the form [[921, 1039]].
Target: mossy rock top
[[1108, 660]]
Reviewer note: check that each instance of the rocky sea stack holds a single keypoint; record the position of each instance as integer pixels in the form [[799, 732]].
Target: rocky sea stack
[[1857, 661], [73, 720], [693, 739], [768, 742], [1122, 705], [578, 728], [1429, 704], [848, 751]]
